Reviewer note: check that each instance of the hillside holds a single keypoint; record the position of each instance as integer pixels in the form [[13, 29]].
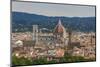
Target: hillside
[[23, 22]]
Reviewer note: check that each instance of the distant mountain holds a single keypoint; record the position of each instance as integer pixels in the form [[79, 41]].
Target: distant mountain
[[24, 21]]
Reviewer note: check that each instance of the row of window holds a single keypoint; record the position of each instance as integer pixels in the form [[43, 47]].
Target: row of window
[[46, 38]]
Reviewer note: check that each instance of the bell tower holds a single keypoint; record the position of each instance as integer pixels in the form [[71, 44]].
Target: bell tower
[[35, 33]]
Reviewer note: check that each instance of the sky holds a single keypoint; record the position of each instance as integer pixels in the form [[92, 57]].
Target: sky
[[49, 9]]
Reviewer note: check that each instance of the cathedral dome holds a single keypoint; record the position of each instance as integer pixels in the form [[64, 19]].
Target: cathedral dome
[[59, 28]]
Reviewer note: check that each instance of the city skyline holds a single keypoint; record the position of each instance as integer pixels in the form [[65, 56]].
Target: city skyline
[[37, 39]]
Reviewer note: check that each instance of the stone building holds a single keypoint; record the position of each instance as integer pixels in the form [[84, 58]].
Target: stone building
[[58, 36]]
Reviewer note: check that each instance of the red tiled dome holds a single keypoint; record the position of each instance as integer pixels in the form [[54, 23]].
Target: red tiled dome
[[59, 28]]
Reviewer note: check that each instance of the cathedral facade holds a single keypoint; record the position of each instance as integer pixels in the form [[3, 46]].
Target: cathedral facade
[[57, 37]]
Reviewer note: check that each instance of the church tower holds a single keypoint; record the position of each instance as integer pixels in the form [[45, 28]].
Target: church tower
[[35, 33]]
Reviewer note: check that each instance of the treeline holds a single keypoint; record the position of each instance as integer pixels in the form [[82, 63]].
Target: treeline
[[23, 22], [66, 59]]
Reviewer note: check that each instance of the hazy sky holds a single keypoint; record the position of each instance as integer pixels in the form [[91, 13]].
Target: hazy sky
[[54, 9]]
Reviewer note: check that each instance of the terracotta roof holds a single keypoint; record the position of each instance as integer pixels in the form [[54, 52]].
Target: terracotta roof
[[59, 27]]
